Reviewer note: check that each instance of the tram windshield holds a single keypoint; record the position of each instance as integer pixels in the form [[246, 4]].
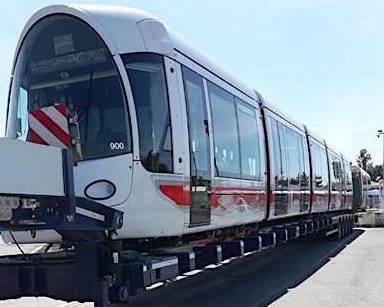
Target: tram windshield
[[63, 61]]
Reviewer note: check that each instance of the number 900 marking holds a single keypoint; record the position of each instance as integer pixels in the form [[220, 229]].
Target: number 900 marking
[[116, 145]]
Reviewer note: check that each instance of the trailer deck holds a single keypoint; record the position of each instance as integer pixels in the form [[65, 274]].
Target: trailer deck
[[311, 272], [109, 275]]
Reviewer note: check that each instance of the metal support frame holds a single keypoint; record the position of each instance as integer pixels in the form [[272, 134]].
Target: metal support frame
[[92, 271], [67, 214], [232, 249], [207, 254], [252, 243]]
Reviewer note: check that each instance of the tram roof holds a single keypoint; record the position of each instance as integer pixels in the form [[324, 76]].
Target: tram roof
[[125, 30]]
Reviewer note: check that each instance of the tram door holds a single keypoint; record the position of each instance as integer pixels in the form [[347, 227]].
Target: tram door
[[199, 149]]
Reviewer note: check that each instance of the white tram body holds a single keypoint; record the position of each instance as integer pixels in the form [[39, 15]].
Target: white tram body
[[167, 136]]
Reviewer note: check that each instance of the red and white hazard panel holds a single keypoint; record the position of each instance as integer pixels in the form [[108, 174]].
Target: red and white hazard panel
[[49, 126]]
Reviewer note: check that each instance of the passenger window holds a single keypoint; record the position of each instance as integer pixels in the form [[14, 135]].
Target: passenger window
[[321, 167], [225, 133], [249, 141], [284, 154], [317, 162], [324, 168], [332, 163], [348, 174], [304, 180], [293, 150], [276, 150], [336, 173], [196, 107]]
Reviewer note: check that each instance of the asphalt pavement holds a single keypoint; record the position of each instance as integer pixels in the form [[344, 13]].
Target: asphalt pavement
[[306, 272], [354, 278]]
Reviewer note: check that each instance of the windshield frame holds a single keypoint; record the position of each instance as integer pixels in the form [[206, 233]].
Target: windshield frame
[[15, 84]]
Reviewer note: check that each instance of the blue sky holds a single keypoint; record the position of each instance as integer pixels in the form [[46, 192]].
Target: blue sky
[[320, 61]]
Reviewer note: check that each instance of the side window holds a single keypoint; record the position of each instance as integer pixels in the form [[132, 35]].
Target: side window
[[321, 167], [304, 181], [276, 150], [249, 141], [333, 166], [324, 167], [22, 114], [348, 174], [194, 92], [338, 173], [344, 176], [284, 154], [293, 150], [225, 133], [147, 78]]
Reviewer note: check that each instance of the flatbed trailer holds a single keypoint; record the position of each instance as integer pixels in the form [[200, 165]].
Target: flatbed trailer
[[109, 275]]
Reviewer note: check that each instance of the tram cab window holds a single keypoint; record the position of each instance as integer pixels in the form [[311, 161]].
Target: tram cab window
[[225, 132], [63, 61], [147, 78]]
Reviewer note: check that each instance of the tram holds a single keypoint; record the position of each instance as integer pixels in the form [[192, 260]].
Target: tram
[[160, 131]]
